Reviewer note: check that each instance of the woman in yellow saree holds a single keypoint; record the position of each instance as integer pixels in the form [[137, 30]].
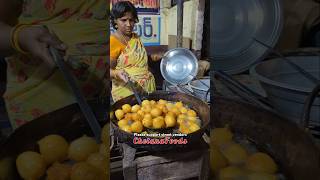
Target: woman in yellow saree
[[34, 87], [128, 57]]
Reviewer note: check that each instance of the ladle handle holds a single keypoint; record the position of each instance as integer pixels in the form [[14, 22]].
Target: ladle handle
[[84, 107], [307, 106]]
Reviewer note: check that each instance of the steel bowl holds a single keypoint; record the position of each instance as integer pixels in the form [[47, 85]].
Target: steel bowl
[[179, 66], [288, 89]]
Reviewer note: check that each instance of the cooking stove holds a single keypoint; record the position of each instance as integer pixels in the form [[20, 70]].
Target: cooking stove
[[188, 162]]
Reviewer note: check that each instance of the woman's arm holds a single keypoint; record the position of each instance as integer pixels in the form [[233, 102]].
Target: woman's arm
[[115, 51], [34, 40], [5, 47], [113, 64], [117, 74]]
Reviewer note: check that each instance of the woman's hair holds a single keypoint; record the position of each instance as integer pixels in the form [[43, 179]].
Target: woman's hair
[[119, 9]]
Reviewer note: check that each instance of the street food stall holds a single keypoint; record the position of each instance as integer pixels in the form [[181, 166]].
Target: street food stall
[[76, 122], [169, 142], [192, 126]]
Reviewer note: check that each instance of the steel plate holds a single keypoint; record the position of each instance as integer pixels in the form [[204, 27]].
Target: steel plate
[[234, 25], [179, 66]]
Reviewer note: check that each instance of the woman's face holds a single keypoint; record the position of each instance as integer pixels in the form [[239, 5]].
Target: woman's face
[[126, 23]]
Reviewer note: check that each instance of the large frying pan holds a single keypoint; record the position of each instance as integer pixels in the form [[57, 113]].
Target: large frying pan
[[291, 146], [67, 122], [199, 106]]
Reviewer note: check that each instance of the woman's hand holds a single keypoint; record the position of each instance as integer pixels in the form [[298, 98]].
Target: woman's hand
[[36, 41], [156, 57], [122, 75]]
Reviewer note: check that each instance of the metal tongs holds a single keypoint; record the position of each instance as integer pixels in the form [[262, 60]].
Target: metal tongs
[[131, 84], [86, 110]]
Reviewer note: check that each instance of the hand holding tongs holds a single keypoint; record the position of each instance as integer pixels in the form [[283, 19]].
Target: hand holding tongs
[[131, 84]]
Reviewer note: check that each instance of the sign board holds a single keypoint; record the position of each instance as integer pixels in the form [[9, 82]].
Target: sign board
[[144, 6]]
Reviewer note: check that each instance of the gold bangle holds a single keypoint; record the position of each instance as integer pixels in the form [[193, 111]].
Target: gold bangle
[[15, 38]]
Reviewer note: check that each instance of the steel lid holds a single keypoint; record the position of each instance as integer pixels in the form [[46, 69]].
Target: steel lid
[[234, 25], [179, 66]]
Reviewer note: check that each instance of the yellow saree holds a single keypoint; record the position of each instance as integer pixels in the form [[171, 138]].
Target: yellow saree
[[32, 89], [134, 60]]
